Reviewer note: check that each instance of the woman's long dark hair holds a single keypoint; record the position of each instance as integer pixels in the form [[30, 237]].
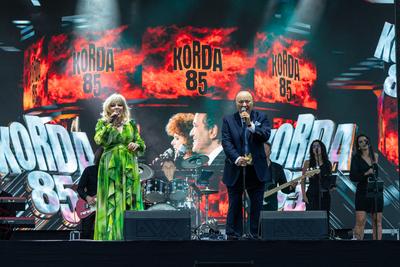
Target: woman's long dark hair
[[371, 151], [324, 154]]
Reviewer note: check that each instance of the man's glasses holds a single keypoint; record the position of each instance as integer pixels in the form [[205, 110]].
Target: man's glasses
[[363, 141]]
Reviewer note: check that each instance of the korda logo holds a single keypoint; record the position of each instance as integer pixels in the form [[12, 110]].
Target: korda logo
[[197, 59], [89, 61], [47, 155], [286, 67]]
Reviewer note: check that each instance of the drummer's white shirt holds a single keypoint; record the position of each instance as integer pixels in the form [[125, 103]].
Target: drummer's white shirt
[[214, 154]]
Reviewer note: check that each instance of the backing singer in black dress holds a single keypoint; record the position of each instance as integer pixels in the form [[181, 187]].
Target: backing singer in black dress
[[364, 166], [318, 195]]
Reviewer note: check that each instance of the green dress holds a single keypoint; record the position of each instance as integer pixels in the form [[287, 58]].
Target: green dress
[[118, 186]]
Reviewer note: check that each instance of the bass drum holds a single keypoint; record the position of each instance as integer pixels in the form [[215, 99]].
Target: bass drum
[[155, 190], [162, 206]]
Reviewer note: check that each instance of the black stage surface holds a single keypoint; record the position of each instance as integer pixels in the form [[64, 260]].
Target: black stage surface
[[199, 253]]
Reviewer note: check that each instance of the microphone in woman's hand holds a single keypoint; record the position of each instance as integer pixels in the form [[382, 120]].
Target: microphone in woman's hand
[[114, 116]]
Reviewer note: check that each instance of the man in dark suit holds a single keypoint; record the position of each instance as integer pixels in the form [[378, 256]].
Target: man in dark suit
[[243, 136], [207, 141]]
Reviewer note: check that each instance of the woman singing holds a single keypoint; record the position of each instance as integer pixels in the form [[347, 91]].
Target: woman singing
[[318, 195], [118, 179], [179, 127], [364, 166]]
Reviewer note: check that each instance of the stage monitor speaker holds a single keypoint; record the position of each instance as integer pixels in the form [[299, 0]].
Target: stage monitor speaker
[[294, 225], [157, 225]]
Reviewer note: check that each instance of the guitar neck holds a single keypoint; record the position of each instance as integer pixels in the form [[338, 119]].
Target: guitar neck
[[276, 189]]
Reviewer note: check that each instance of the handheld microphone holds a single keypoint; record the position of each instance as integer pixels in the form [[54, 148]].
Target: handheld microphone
[[114, 117], [167, 153], [181, 151], [243, 109]]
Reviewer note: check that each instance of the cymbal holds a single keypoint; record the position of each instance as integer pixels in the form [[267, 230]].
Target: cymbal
[[145, 172], [208, 191], [195, 161]]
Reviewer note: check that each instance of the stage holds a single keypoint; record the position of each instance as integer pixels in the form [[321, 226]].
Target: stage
[[318, 93], [198, 253]]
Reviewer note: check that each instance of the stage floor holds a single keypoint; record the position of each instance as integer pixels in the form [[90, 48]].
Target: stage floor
[[199, 253]]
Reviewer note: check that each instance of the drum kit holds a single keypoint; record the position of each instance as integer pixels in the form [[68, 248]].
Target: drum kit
[[179, 194]]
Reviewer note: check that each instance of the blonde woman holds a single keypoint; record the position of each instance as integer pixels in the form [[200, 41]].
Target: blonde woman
[[118, 179]]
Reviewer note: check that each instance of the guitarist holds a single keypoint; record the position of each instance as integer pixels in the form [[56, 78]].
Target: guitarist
[[278, 178], [87, 190], [6, 211]]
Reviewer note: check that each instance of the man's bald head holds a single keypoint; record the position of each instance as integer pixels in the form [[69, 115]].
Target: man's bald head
[[244, 99]]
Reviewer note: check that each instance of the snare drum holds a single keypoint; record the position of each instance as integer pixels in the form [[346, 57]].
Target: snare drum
[[155, 190], [178, 190]]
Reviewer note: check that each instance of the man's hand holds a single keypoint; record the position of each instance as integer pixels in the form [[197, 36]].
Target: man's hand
[[91, 200], [133, 146], [305, 199], [246, 116], [293, 185], [242, 161]]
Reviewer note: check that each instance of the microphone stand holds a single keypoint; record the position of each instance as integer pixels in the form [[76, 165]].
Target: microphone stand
[[374, 189], [245, 226], [319, 182], [245, 208]]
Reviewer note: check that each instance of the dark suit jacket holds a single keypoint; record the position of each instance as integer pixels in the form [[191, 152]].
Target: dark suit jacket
[[216, 167], [233, 144]]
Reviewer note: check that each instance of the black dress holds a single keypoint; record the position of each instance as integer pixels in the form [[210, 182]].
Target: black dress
[[363, 203], [318, 194]]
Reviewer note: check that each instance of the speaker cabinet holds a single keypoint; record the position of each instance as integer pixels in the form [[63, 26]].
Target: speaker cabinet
[[157, 225], [294, 225]]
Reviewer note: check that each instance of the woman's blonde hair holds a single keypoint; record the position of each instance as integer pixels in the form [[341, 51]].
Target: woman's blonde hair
[[112, 99]]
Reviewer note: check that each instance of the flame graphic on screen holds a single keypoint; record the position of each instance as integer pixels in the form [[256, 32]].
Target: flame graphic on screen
[[218, 203], [387, 128], [65, 87], [277, 122], [35, 64], [267, 87], [160, 80]]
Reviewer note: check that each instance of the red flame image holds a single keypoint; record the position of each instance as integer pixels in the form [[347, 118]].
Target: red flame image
[[387, 128], [218, 204], [267, 86], [65, 86], [34, 77], [160, 80], [277, 122]]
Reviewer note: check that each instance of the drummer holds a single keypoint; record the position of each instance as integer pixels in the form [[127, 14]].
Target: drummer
[[168, 168]]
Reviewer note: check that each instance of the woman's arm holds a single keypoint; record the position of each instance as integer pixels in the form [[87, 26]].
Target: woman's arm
[[306, 165], [105, 133], [137, 138], [356, 174]]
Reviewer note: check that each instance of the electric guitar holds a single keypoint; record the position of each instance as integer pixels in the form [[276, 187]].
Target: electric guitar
[[83, 209], [308, 173]]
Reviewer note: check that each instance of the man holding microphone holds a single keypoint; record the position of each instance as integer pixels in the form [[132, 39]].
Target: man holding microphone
[[243, 136]]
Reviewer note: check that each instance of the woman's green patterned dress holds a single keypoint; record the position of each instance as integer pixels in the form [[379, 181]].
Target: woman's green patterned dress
[[118, 186]]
